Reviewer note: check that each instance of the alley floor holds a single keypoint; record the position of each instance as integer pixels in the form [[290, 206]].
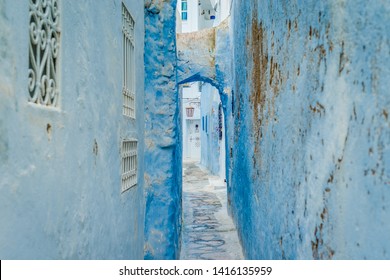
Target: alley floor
[[208, 231]]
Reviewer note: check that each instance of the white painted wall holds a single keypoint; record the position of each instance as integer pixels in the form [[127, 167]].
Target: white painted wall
[[191, 24], [222, 10], [199, 15], [178, 20], [193, 138], [206, 14]]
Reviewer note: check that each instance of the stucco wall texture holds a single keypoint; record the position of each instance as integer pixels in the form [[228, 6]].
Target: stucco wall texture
[[163, 147], [304, 87], [196, 56], [60, 182], [311, 146]]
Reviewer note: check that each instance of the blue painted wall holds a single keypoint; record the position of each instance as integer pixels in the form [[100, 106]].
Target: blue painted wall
[[60, 183], [304, 88], [310, 156], [210, 150], [163, 155]]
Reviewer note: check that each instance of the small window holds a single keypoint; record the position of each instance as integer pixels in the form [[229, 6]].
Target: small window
[[129, 164], [184, 9], [44, 51], [128, 90]]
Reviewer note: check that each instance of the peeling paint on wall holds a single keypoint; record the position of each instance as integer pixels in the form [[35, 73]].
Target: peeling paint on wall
[[310, 156]]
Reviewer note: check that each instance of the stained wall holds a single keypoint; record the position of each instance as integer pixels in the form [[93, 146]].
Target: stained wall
[[310, 152]]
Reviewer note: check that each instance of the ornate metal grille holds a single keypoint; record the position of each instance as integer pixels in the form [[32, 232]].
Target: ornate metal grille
[[129, 164], [128, 64], [43, 52]]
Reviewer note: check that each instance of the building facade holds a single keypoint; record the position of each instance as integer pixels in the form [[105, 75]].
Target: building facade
[[71, 129]]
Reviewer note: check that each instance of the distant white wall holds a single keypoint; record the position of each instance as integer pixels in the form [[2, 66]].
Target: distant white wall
[[178, 20], [206, 15], [191, 24], [201, 14]]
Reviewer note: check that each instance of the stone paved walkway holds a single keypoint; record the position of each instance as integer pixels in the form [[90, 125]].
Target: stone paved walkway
[[208, 231]]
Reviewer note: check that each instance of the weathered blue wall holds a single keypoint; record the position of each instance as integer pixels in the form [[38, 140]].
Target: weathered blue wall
[[196, 57], [60, 183], [210, 150], [311, 150], [163, 156]]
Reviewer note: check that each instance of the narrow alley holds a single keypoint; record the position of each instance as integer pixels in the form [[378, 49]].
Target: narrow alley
[[126, 125], [208, 232]]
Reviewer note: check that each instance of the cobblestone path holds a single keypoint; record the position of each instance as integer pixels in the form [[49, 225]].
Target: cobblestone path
[[208, 231]]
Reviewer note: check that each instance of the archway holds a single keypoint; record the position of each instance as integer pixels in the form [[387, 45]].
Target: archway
[[203, 126]]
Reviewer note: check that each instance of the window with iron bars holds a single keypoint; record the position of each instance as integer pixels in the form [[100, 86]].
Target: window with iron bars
[[129, 164], [128, 63]]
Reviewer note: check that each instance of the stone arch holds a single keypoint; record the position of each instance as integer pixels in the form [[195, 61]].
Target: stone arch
[[196, 57], [204, 56]]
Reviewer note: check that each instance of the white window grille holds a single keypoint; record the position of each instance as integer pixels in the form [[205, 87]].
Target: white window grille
[[128, 64], [43, 52], [129, 164]]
